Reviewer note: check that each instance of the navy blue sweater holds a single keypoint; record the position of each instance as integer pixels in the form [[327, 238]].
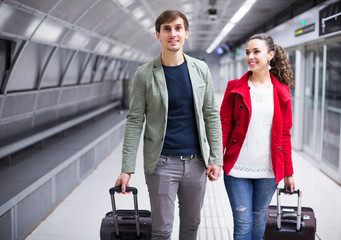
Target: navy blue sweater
[[181, 134]]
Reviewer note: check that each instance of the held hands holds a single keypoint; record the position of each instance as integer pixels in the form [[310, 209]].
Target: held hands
[[123, 181], [213, 172]]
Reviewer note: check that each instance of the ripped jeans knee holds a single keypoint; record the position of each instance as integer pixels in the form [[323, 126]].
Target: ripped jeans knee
[[242, 219], [259, 217], [241, 209]]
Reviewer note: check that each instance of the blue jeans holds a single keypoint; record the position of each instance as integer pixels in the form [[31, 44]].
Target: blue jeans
[[249, 199]]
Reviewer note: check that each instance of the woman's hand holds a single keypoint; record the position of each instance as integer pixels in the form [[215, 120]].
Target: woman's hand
[[289, 183]]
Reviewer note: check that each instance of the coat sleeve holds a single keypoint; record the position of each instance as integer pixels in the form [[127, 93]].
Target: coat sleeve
[[286, 139], [226, 112]]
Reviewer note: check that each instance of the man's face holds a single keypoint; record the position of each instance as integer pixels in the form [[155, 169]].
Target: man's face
[[172, 35]]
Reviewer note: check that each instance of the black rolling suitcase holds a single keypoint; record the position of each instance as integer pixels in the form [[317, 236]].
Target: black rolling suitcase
[[126, 224], [284, 222]]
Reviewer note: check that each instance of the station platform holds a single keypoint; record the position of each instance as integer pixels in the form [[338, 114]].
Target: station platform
[[79, 215]]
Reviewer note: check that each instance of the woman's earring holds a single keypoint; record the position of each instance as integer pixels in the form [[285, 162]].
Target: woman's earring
[[269, 67]]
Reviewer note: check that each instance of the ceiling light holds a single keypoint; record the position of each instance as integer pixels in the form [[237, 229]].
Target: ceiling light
[[135, 56], [138, 13], [127, 54], [116, 51], [219, 50], [146, 22], [125, 3], [78, 40], [230, 25], [242, 11], [102, 47]]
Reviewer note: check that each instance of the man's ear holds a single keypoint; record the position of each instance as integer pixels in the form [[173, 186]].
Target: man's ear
[[157, 35]]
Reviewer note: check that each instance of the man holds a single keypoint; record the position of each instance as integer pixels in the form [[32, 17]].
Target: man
[[182, 138]]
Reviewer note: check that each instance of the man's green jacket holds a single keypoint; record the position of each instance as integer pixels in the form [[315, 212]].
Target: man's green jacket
[[149, 101]]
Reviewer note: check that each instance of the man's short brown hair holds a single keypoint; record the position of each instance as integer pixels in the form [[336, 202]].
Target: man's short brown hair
[[169, 16]]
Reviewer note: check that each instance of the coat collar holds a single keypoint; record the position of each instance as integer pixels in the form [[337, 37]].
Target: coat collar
[[242, 88], [283, 90]]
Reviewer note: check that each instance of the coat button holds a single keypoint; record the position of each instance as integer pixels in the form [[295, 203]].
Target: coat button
[[241, 106], [237, 123], [279, 148], [234, 141]]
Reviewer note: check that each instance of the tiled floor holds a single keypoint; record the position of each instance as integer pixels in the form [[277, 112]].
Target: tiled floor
[[80, 214]]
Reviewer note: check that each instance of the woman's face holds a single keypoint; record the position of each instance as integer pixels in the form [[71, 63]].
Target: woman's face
[[258, 55]]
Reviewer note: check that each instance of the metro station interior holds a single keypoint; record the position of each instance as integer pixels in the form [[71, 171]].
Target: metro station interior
[[66, 69]]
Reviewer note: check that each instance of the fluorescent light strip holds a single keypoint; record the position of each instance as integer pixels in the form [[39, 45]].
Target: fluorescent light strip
[[230, 25]]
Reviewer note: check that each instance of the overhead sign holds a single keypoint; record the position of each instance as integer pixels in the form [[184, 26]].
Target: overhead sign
[[305, 29]]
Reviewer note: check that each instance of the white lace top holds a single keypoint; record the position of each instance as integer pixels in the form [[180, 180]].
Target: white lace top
[[254, 160]]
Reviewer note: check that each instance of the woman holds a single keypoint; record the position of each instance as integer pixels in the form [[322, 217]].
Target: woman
[[256, 121]]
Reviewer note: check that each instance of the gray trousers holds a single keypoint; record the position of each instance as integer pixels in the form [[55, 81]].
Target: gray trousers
[[185, 178]]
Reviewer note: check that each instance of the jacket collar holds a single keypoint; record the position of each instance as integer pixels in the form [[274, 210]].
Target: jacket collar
[[160, 80], [157, 62]]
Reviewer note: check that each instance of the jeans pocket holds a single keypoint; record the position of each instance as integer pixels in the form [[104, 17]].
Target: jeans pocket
[[162, 160]]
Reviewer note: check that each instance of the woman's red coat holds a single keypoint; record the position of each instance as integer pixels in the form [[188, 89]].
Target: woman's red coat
[[237, 112]]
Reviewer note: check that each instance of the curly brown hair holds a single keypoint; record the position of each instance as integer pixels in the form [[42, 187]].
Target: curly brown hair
[[280, 65]]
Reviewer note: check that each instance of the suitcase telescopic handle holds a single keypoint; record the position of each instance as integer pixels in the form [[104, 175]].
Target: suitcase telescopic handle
[[299, 206], [287, 191], [112, 192], [119, 190]]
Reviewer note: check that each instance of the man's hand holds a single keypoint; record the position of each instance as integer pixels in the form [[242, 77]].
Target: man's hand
[[123, 181], [213, 172]]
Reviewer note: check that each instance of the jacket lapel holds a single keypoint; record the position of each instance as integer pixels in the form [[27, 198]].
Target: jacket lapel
[[194, 78], [160, 80]]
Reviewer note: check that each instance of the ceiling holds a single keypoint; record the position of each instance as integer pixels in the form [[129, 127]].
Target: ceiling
[[125, 28]]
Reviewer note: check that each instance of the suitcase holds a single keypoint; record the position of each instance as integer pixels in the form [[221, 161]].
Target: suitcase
[[126, 224], [284, 222]]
